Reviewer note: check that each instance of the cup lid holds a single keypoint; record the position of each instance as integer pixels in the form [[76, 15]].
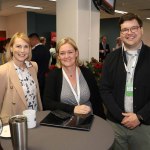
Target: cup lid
[[18, 119]]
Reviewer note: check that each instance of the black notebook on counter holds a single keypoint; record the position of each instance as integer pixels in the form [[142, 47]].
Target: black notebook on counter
[[62, 119]]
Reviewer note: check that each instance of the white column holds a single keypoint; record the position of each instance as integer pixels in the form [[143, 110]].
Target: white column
[[80, 20]]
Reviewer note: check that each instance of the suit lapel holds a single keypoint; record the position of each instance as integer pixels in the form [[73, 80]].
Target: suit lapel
[[16, 83]]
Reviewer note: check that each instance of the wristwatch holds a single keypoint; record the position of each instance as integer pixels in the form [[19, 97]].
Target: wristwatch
[[140, 118]]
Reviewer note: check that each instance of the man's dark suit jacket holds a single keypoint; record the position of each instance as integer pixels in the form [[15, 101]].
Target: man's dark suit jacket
[[113, 83], [102, 56], [41, 55], [53, 91]]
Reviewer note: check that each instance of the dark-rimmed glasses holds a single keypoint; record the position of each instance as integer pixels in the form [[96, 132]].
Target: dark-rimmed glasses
[[132, 29]]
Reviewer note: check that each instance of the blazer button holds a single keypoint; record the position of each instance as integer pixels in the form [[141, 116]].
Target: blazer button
[[11, 87], [134, 88], [13, 103]]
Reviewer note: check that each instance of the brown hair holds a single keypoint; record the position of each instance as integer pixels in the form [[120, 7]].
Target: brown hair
[[130, 16], [22, 36]]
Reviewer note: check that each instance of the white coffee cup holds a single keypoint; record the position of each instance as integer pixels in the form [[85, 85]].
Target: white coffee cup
[[31, 117]]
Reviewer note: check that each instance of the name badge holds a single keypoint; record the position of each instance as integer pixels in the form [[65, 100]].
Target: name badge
[[129, 89]]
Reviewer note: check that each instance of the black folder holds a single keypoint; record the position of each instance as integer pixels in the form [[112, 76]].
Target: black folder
[[77, 122]]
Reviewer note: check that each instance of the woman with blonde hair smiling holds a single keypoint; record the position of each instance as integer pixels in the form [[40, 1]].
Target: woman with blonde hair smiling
[[72, 88], [18, 78]]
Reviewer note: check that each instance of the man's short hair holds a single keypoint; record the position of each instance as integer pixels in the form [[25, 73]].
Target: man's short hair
[[35, 35], [130, 16]]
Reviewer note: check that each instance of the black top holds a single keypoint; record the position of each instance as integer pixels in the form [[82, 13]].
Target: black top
[[53, 91], [113, 83]]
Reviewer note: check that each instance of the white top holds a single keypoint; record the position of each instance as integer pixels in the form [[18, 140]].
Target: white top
[[29, 86], [52, 53]]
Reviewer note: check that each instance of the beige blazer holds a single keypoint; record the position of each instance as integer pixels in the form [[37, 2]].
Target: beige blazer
[[12, 98]]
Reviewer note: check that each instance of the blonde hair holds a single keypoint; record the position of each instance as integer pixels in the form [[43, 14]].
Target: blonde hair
[[70, 41], [23, 36]]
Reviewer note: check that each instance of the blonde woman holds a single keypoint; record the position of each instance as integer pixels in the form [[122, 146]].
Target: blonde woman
[[72, 88], [19, 88]]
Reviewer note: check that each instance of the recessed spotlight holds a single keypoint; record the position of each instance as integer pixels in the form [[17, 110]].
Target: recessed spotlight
[[120, 12], [30, 7]]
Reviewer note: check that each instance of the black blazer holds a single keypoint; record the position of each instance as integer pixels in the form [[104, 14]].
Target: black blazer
[[113, 82], [103, 55], [53, 90], [107, 46], [41, 55]]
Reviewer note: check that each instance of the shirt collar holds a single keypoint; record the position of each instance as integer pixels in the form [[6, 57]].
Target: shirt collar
[[27, 63], [36, 45]]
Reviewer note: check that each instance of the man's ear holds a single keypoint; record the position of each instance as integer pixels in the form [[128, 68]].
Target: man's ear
[[142, 30]]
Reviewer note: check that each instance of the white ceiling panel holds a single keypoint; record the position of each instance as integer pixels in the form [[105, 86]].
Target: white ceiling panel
[[140, 7]]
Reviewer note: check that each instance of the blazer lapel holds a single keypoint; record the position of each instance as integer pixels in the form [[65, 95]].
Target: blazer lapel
[[33, 73], [16, 83]]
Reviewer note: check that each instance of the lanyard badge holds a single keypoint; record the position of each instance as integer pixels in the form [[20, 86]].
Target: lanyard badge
[[129, 89]]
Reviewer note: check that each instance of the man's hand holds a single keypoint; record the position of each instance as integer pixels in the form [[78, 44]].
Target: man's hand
[[130, 120], [102, 51]]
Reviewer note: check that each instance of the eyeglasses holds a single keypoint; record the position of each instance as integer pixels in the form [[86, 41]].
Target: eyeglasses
[[132, 29]]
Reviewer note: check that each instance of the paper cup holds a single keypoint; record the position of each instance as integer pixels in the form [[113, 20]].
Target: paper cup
[[31, 117]]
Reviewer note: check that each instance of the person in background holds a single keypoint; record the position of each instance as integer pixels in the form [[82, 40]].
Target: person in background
[[103, 48], [53, 54], [41, 56], [125, 87], [6, 43], [19, 88], [43, 40], [2, 53], [118, 43], [3, 45], [72, 88]]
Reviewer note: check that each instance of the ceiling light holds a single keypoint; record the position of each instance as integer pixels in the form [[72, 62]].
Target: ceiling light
[[30, 7], [120, 12], [148, 18], [52, 0]]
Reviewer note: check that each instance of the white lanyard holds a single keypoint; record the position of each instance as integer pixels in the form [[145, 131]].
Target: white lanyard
[[131, 71], [76, 95]]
